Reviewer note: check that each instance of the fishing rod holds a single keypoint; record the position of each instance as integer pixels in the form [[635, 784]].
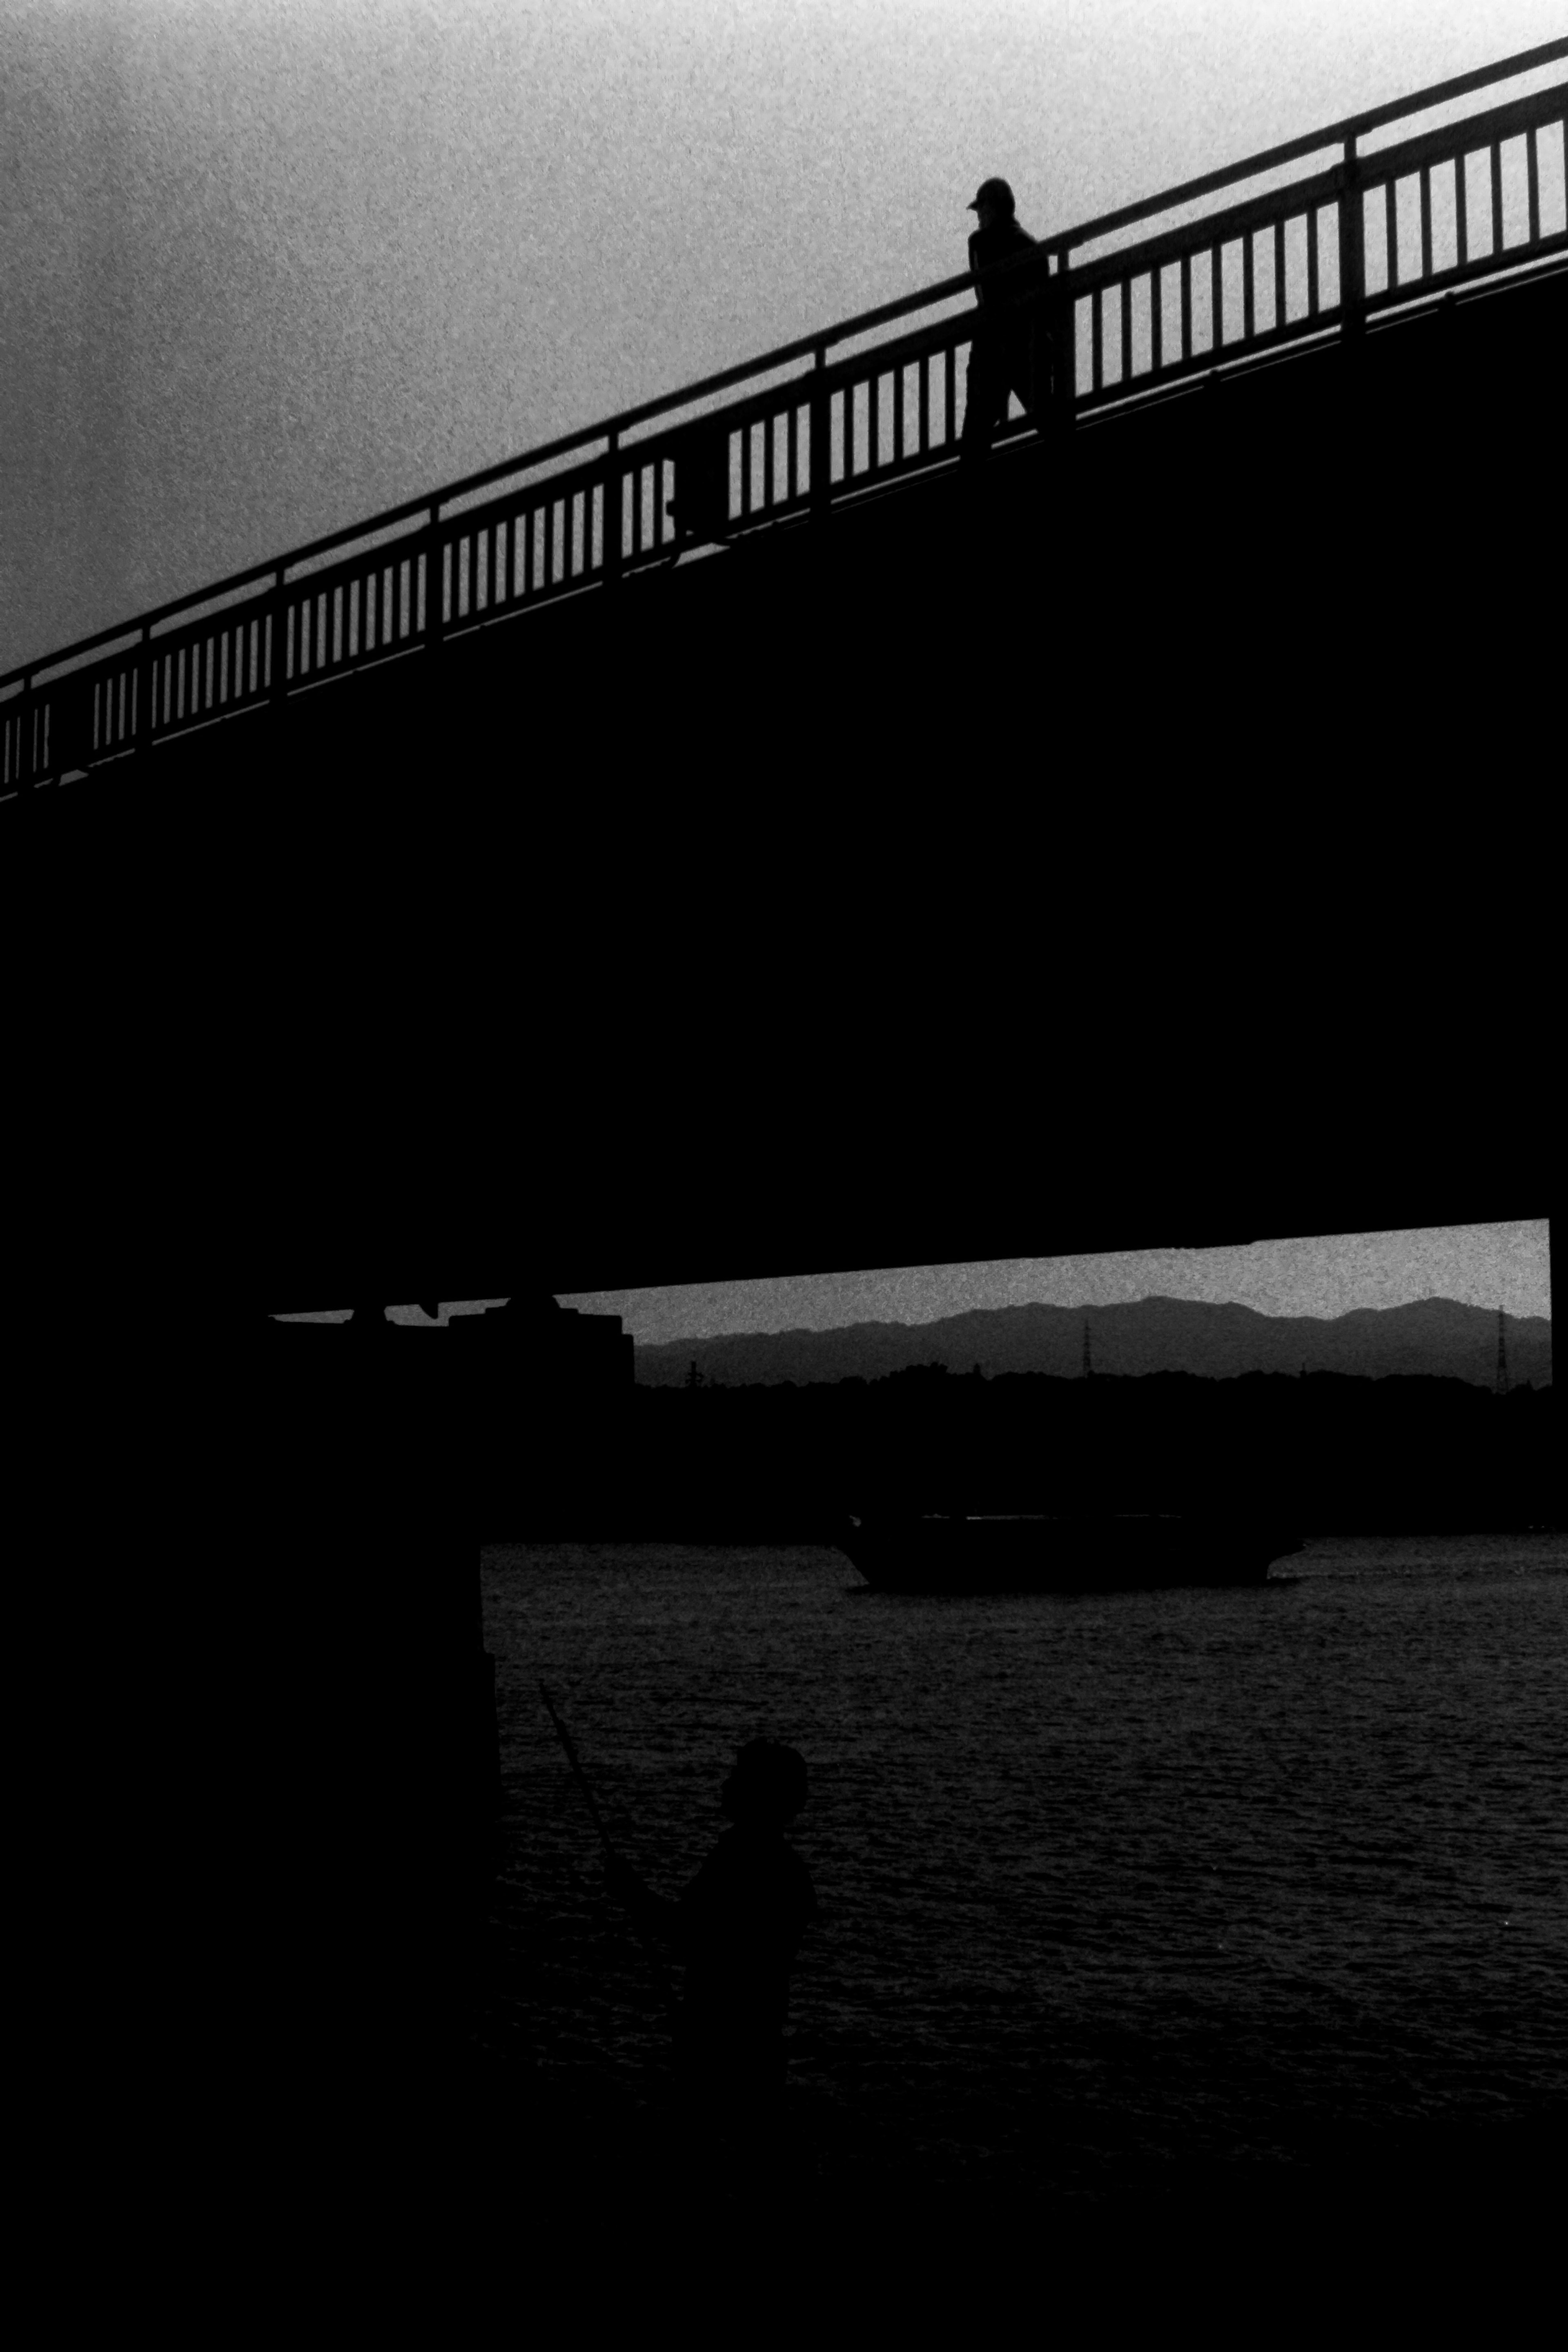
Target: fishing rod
[[564, 1737], [667, 1991]]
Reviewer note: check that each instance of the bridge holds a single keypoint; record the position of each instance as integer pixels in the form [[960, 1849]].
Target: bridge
[[533, 889], [1283, 496]]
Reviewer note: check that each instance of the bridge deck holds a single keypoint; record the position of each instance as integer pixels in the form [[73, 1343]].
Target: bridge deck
[[819, 856]]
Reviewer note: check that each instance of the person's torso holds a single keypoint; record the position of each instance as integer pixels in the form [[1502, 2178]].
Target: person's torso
[[744, 1914], [1002, 242]]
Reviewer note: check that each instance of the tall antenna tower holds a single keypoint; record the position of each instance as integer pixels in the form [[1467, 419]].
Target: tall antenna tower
[[1502, 1384], [1088, 1367]]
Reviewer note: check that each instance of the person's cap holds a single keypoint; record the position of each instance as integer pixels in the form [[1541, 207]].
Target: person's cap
[[992, 191]]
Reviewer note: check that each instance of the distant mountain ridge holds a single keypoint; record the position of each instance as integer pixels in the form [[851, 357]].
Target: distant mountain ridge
[[1438, 1337]]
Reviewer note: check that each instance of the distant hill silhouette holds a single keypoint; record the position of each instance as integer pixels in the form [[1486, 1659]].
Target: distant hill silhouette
[[1438, 1337]]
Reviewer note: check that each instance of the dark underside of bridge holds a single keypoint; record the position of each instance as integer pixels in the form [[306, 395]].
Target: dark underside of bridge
[[1134, 827]]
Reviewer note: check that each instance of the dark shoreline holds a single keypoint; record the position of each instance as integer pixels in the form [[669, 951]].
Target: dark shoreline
[[748, 1533]]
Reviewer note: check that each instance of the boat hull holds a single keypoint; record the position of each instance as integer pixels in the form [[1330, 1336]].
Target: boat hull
[[1114, 1552]]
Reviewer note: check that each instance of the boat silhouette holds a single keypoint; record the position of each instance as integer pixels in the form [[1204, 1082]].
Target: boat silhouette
[[1024, 1551]]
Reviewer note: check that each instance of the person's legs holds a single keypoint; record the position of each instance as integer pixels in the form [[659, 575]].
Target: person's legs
[[985, 400]]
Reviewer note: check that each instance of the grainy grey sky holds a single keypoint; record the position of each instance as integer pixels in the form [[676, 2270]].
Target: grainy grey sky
[[1503, 1266], [267, 267]]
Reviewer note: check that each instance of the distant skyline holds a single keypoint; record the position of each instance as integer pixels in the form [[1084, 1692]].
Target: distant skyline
[[1505, 1265]]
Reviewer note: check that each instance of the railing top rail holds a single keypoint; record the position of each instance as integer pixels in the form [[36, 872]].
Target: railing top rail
[[1350, 128]]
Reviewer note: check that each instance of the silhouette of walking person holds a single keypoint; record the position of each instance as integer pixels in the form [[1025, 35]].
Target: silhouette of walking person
[[1010, 348], [738, 1927]]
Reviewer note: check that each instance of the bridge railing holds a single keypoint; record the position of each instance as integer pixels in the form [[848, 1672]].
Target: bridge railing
[[1325, 254]]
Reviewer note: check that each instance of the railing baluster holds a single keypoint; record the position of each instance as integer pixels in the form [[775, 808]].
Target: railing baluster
[[1186, 306], [1352, 251], [873, 424], [792, 451], [925, 363], [1313, 215], [821, 431], [1099, 338], [949, 391], [770, 434], [1279, 318], [1156, 323], [1461, 209], [1125, 376], [1064, 306], [1390, 237], [898, 415], [1497, 197], [1217, 329], [614, 511], [1426, 220], [1246, 297], [1533, 170]]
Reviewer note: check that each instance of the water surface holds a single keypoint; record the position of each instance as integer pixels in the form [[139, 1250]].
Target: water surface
[[1159, 1880]]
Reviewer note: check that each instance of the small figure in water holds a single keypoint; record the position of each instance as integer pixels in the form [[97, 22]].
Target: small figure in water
[[738, 1927]]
